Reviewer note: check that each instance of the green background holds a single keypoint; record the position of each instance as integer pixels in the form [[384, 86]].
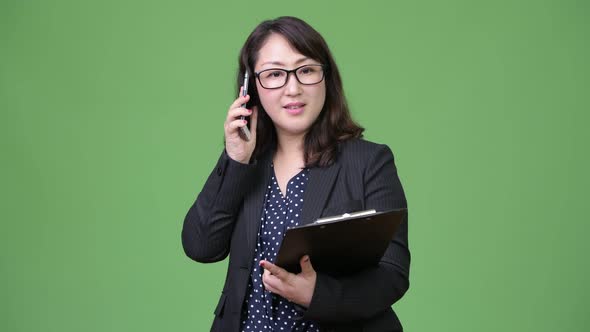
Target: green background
[[112, 118]]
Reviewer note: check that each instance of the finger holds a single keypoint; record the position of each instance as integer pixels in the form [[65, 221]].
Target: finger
[[239, 101], [270, 282], [234, 125], [275, 270], [269, 287], [306, 266], [234, 113]]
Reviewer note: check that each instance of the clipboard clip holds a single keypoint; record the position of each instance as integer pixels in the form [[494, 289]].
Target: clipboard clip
[[345, 216]]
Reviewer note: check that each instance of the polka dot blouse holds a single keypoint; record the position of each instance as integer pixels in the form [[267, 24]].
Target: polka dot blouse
[[262, 310]]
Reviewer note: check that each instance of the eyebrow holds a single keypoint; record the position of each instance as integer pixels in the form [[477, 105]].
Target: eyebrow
[[278, 63]]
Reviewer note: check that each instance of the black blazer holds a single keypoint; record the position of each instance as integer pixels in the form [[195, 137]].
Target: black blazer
[[226, 217]]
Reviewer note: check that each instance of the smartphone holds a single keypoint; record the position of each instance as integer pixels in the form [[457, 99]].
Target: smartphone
[[245, 131]]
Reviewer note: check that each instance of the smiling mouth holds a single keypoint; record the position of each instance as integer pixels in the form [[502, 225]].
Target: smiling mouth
[[294, 106], [294, 109]]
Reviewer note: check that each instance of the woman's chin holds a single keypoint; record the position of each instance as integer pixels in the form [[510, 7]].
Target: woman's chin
[[292, 130]]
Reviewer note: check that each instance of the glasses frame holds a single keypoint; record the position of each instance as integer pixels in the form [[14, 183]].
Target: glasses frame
[[294, 71]]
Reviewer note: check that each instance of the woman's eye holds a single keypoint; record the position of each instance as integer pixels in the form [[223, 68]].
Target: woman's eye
[[306, 70], [274, 74]]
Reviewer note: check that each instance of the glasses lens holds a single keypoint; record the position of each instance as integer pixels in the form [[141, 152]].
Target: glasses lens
[[312, 74], [273, 78]]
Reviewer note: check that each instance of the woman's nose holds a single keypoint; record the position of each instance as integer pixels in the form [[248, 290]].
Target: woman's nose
[[293, 87]]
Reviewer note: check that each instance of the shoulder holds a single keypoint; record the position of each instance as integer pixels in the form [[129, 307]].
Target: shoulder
[[362, 151]]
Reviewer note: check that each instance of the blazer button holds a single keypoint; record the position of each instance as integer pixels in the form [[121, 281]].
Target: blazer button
[[219, 172]]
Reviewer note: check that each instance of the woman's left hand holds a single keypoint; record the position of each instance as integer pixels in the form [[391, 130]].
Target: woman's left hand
[[297, 288]]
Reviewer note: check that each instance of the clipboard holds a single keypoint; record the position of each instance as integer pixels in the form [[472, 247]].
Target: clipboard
[[340, 244]]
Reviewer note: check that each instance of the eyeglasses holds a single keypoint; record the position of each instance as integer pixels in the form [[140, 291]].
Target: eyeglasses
[[276, 78]]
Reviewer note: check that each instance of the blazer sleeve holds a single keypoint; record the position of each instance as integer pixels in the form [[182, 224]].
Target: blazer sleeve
[[371, 291], [209, 223]]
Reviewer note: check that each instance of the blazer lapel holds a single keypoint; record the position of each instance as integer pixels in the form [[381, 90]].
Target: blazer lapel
[[253, 206], [317, 192]]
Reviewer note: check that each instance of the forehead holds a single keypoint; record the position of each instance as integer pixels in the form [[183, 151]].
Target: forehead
[[276, 50]]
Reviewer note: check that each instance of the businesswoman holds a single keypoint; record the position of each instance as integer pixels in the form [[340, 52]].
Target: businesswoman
[[305, 159]]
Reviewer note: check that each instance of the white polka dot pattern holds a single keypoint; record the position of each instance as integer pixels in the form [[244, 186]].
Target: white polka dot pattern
[[262, 310]]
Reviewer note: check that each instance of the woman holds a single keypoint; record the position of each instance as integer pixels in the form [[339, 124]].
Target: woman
[[305, 159]]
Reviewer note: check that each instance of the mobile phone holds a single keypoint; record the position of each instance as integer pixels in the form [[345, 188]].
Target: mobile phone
[[245, 131]]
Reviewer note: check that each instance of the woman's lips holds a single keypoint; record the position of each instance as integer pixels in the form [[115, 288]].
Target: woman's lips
[[294, 108]]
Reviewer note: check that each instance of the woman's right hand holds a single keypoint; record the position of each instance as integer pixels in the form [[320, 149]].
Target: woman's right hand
[[236, 147]]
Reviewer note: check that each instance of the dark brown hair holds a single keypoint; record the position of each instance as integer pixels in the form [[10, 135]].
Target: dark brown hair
[[334, 123]]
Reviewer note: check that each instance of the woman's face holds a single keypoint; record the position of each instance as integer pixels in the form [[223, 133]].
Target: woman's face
[[294, 107]]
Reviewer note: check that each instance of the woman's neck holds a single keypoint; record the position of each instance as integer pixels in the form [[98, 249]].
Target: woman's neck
[[290, 150], [288, 160]]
